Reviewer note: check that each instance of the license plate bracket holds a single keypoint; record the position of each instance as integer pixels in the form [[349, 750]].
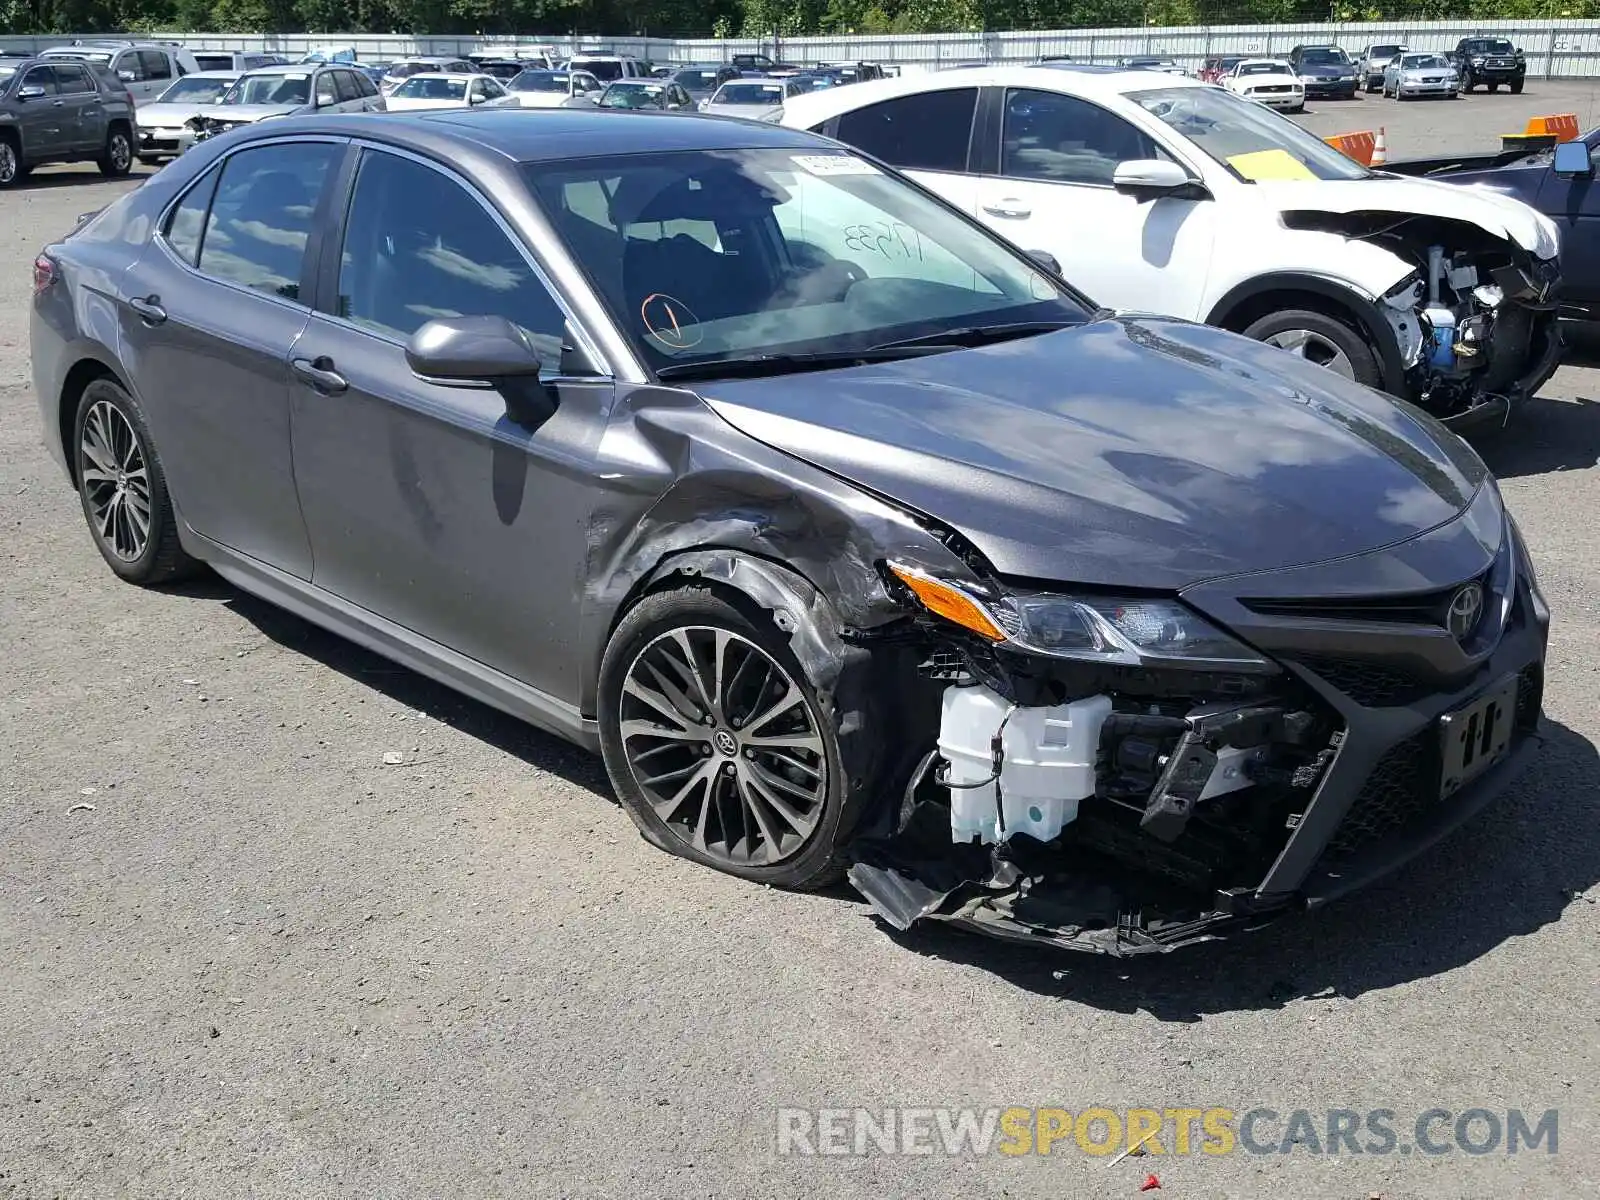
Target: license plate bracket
[[1477, 735]]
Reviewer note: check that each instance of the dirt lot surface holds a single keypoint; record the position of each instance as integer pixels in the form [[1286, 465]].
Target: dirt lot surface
[[243, 957]]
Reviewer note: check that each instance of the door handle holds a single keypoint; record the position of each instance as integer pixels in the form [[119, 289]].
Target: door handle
[[1009, 207], [149, 309], [58, 104], [319, 375]]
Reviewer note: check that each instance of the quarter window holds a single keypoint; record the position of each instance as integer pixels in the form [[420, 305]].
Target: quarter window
[[419, 246], [925, 132], [1061, 139], [260, 221], [187, 222]]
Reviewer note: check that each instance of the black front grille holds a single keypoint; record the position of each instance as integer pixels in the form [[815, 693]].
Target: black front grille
[[1403, 785], [1416, 608], [1369, 684]]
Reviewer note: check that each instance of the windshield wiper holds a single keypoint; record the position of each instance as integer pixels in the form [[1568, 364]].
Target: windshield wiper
[[787, 364], [978, 335]]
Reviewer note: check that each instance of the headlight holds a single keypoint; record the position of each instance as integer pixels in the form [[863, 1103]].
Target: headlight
[[1541, 606], [1125, 630], [1308, 78], [1477, 62]]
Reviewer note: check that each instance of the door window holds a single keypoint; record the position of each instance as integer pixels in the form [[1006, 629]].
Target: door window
[[72, 80], [327, 93], [186, 223], [419, 246], [260, 221], [40, 77], [1061, 139], [345, 84], [153, 65], [925, 132], [492, 90]]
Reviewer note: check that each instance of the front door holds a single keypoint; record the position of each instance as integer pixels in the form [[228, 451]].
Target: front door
[[428, 504], [1574, 205], [1054, 192], [41, 117], [214, 318]]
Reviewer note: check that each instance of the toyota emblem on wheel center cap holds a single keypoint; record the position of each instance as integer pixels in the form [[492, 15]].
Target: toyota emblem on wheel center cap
[[725, 743], [1465, 607]]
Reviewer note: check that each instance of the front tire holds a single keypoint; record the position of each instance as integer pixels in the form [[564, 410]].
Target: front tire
[[1321, 339], [1516, 87], [117, 158], [123, 488], [717, 744], [11, 171]]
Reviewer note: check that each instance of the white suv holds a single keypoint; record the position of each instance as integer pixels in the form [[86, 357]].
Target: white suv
[[146, 68], [1172, 196]]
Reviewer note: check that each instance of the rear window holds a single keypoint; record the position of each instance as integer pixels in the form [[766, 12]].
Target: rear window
[[750, 93], [600, 68], [214, 62]]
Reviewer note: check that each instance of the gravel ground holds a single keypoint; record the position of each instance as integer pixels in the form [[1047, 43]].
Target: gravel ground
[[263, 963]]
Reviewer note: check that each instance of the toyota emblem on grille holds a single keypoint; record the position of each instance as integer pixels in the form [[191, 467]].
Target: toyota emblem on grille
[[1465, 607]]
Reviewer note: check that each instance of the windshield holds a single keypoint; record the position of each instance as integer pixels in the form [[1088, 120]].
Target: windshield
[[600, 68], [749, 93], [1489, 46], [197, 91], [1263, 68], [540, 81], [709, 255], [632, 95], [431, 87], [1323, 58], [1418, 62], [1251, 141], [270, 89], [1384, 52], [697, 81]]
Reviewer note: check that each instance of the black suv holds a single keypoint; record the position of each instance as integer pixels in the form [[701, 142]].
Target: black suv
[[1490, 61], [62, 110]]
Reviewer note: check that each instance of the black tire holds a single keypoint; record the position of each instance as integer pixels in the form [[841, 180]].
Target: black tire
[[12, 171], [1516, 87], [811, 862], [1493, 87], [1344, 336], [1466, 84], [163, 558], [117, 158]]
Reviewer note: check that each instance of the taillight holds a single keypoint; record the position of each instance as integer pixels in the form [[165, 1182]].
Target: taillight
[[44, 273]]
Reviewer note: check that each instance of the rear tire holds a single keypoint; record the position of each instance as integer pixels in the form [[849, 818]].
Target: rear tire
[[11, 169], [718, 770], [1327, 341], [117, 158], [123, 488]]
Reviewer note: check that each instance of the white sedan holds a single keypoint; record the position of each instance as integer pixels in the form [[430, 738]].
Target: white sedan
[[1269, 81], [450, 91]]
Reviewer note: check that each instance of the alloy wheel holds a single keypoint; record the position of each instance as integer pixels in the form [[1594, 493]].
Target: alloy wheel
[[8, 163], [115, 481], [1315, 348], [725, 746], [121, 153]]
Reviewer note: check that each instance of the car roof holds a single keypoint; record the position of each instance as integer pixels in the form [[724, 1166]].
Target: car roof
[[296, 68], [228, 73], [1271, 62], [552, 135], [1069, 78]]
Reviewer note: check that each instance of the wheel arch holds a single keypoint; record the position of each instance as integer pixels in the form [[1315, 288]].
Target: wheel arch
[[1257, 297], [77, 379]]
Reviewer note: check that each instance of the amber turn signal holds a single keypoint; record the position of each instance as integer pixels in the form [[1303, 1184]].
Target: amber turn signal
[[948, 602]]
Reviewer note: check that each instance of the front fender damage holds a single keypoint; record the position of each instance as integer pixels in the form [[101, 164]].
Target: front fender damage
[[1474, 318]]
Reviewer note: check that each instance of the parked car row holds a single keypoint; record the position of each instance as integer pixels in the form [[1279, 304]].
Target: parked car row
[[852, 536]]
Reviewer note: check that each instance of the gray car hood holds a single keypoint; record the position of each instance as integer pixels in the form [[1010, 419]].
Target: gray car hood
[[1138, 452], [249, 112]]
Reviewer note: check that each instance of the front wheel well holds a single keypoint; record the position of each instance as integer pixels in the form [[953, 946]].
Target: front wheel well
[[83, 373], [1252, 308]]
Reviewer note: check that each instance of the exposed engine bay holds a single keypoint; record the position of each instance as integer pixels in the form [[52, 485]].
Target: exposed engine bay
[[1109, 809], [1475, 320]]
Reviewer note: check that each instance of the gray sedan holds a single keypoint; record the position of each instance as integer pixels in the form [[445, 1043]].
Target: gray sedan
[[849, 534], [1409, 75]]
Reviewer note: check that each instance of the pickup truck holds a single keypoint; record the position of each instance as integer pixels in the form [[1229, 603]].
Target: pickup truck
[[1490, 61]]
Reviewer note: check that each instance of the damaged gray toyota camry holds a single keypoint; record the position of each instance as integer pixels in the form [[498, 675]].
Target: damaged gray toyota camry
[[854, 539]]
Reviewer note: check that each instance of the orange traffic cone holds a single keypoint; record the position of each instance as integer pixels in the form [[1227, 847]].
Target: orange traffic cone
[[1380, 150]]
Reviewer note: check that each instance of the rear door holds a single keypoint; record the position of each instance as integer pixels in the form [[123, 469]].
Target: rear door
[[215, 310], [428, 504], [928, 135], [83, 122]]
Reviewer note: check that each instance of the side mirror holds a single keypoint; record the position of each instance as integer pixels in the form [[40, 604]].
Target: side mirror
[[1572, 161], [32, 92], [1045, 259], [1149, 176], [484, 352], [127, 76], [476, 98]]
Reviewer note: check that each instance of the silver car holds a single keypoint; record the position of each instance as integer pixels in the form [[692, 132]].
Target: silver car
[[167, 125], [287, 91], [1410, 75], [753, 99]]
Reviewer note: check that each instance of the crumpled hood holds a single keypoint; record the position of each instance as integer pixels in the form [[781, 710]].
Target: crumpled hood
[[1497, 214], [171, 116], [1133, 452], [248, 112]]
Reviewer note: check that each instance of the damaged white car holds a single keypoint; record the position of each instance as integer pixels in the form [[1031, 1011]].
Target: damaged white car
[[1170, 196]]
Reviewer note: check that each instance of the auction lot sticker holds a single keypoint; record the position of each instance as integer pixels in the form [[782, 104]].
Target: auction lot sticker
[[833, 164]]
